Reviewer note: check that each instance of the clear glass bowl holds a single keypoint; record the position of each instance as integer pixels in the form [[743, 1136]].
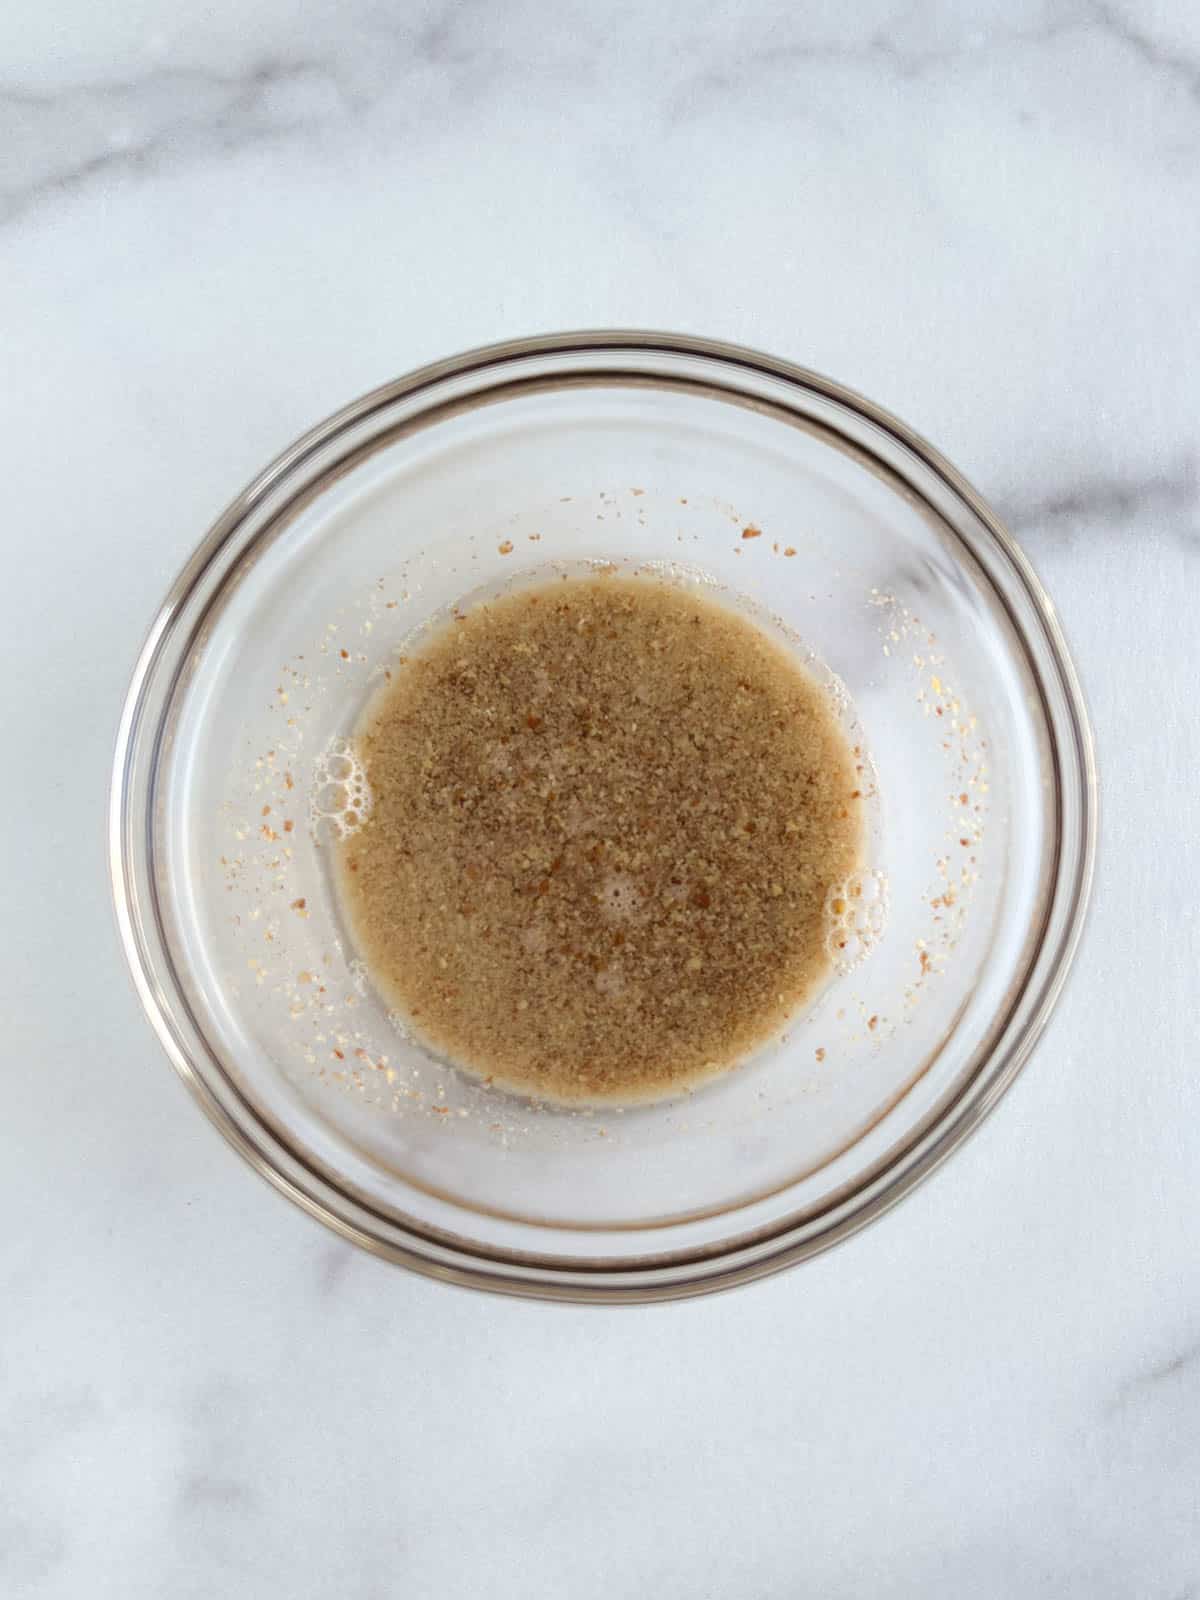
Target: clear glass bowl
[[875, 558]]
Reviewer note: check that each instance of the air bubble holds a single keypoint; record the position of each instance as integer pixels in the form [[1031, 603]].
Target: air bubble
[[340, 794], [399, 1022], [620, 896], [855, 918]]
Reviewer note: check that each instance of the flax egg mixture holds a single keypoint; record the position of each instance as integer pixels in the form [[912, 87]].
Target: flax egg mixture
[[605, 818]]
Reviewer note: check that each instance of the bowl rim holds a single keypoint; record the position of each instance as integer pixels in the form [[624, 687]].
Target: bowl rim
[[588, 1282]]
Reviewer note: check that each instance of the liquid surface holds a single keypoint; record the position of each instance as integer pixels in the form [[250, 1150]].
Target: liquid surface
[[606, 815]]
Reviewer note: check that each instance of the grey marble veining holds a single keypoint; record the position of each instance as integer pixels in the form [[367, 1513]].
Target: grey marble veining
[[219, 222], [156, 109], [1171, 498], [58, 141], [1161, 1371]]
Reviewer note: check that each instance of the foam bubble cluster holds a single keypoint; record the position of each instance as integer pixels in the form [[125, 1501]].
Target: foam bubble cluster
[[855, 917], [340, 796]]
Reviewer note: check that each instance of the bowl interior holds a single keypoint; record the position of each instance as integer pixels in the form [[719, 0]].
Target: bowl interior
[[873, 561]]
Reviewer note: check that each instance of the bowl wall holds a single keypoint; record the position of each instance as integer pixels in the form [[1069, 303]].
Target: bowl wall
[[873, 561]]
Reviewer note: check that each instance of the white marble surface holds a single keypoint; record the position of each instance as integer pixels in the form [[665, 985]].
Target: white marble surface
[[221, 220]]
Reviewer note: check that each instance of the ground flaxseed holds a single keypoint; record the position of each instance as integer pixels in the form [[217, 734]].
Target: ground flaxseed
[[606, 816]]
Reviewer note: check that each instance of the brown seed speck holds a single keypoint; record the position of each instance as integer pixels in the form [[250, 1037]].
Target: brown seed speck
[[872, 1023], [751, 533], [299, 905], [820, 1053], [505, 547], [790, 551]]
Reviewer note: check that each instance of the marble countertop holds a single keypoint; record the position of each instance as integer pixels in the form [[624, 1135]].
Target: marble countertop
[[220, 221]]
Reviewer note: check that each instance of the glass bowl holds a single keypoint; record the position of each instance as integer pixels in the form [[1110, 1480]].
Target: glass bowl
[[872, 557]]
